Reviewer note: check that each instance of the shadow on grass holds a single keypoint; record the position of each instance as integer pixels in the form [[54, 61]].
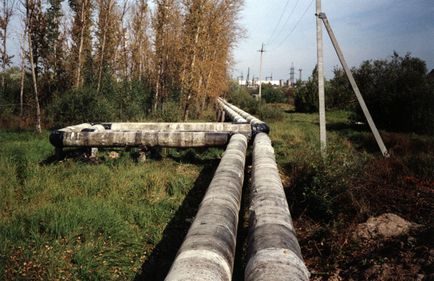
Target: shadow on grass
[[360, 135], [158, 264], [70, 153]]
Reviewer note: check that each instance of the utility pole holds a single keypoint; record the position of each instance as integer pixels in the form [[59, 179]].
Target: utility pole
[[323, 17], [248, 76], [300, 71], [320, 68], [260, 71]]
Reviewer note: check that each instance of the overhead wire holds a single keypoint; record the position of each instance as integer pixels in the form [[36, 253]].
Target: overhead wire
[[287, 19], [278, 22], [295, 26]]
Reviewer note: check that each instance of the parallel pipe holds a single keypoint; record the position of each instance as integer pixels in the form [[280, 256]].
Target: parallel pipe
[[148, 134], [274, 252], [257, 125], [208, 250], [233, 115]]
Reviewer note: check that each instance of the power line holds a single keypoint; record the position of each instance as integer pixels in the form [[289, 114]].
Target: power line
[[295, 26], [287, 19], [278, 22]]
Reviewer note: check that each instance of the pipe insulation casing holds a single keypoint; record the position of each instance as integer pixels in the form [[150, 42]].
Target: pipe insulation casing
[[258, 126], [148, 134], [274, 252], [208, 250], [233, 115]]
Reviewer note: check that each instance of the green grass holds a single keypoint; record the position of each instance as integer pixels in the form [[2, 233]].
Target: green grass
[[79, 220]]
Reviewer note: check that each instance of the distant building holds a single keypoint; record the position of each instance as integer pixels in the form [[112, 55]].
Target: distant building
[[255, 83]]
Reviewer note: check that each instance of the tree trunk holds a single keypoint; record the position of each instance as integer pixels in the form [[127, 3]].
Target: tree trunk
[[190, 86], [101, 63], [80, 48], [35, 86], [23, 75]]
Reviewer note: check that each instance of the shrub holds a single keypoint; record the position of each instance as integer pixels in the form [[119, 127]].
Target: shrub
[[398, 93], [272, 94], [79, 106], [305, 98]]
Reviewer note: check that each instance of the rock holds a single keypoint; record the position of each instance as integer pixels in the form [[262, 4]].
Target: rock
[[142, 157], [384, 226], [113, 155]]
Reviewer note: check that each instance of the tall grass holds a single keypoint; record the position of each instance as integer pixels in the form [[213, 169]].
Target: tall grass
[[78, 220]]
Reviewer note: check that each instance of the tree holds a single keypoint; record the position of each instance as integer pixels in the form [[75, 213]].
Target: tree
[[398, 93], [210, 31], [81, 51], [7, 11], [35, 27], [306, 95], [140, 44], [53, 55], [166, 25]]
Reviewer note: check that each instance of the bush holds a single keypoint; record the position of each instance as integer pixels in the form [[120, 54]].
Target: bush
[[398, 93], [241, 97], [305, 96], [80, 106], [319, 187], [273, 95]]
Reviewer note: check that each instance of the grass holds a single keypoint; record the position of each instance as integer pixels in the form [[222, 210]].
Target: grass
[[77, 220], [119, 219], [329, 197]]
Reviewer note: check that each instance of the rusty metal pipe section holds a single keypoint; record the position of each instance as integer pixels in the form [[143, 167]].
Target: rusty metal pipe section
[[208, 250], [148, 134], [274, 252], [257, 125]]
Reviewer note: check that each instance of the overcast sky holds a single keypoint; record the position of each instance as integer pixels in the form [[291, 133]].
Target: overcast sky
[[365, 29]]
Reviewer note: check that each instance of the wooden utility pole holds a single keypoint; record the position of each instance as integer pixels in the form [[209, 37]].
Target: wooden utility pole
[[323, 17], [320, 68], [260, 71]]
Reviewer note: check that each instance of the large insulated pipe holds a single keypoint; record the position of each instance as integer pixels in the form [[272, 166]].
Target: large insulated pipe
[[274, 252], [148, 134], [257, 125], [233, 115], [208, 250]]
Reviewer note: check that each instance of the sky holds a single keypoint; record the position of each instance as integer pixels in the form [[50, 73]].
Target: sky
[[365, 29]]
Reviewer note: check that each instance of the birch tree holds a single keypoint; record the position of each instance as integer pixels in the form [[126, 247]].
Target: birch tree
[[6, 13], [107, 22], [167, 31], [35, 25], [81, 51], [140, 45]]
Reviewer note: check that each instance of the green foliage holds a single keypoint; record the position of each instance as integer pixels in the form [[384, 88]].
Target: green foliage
[[124, 101], [339, 94], [170, 112], [80, 106], [398, 93], [241, 97], [273, 94], [306, 94]]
